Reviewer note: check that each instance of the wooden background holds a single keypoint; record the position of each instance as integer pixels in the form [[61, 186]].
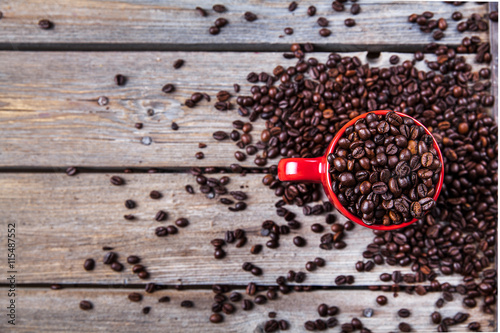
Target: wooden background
[[50, 81]]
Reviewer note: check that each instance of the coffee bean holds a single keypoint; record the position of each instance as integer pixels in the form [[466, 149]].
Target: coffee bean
[[311, 266], [219, 8], [355, 9], [161, 216], [116, 266], [456, 16], [250, 17], [45, 24], [181, 222], [292, 6], [271, 326], [283, 325], [109, 258], [117, 181], [311, 11], [404, 327], [155, 195], [404, 313], [310, 326], [325, 32], [120, 80], [394, 59], [130, 204], [133, 260], [220, 22], [213, 30], [135, 297], [201, 11], [350, 22], [220, 135], [247, 305], [337, 6], [168, 88], [474, 326], [299, 241], [382, 300], [340, 280], [86, 305], [322, 22], [187, 304], [89, 264], [288, 31]]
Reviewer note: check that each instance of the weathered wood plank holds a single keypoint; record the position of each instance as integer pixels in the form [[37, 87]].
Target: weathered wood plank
[[61, 221], [50, 116], [173, 25], [42, 310]]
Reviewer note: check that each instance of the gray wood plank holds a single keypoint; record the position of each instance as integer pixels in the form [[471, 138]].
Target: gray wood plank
[[50, 117], [61, 221], [42, 310], [173, 25]]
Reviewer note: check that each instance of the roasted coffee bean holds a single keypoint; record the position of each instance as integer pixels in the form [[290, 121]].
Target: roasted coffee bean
[[382, 300], [120, 80], [340, 280], [135, 297], [161, 216], [404, 327], [45, 24], [117, 181], [86, 305], [155, 195], [182, 222], [187, 304], [271, 326], [337, 6], [130, 204], [292, 6], [404, 313], [110, 258], [89, 264], [71, 171], [349, 22], [311, 11], [260, 299], [322, 22], [117, 267], [168, 88], [178, 63], [216, 318], [325, 32], [436, 317], [247, 305], [219, 8], [250, 17], [310, 326], [299, 241], [456, 16]]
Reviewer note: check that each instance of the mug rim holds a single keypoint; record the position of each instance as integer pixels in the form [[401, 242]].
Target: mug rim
[[327, 182]]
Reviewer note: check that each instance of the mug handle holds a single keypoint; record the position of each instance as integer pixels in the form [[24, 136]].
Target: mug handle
[[306, 170]]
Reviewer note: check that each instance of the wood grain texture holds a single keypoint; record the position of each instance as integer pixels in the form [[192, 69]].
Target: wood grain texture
[[61, 221], [50, 116], [174, 25], [42, 310]]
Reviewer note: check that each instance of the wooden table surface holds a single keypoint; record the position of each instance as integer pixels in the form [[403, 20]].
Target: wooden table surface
[[50, 82]]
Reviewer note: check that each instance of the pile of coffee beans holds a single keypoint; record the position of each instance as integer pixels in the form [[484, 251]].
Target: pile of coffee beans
[[385, 169]]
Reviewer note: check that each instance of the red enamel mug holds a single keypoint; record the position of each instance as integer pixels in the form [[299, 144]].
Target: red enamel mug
[[315, 170]]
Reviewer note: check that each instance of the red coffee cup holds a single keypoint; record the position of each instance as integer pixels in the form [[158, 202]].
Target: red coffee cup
[[315, 170]]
